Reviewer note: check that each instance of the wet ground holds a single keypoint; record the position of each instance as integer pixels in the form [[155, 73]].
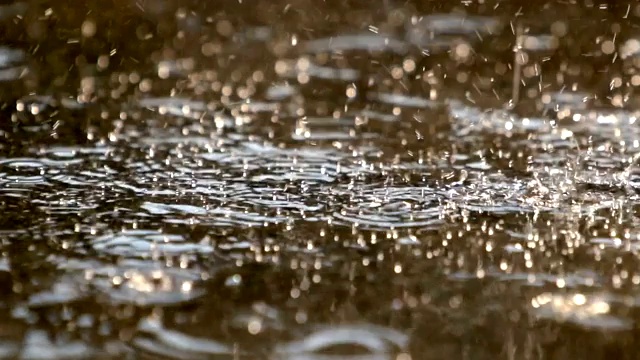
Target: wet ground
[[319, 180]]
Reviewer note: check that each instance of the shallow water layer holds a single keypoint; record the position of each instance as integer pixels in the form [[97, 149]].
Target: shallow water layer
[[319, 180]]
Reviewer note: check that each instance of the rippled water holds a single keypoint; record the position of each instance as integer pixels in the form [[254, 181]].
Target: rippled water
[[319, 180]]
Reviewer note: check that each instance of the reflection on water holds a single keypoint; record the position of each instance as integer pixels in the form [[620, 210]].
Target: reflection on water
[[319, 180]]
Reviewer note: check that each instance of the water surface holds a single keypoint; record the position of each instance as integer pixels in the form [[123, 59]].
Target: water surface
[[319, 180]]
